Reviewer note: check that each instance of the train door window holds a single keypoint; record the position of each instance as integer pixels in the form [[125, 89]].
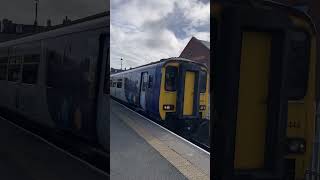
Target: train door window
[[54, 57], [144, 81], [110, 83], [298, 65], [126, 82], [203, 81], [150, 81], [171, 78], [14, 68], [119, 83], [30, 68], [30, 73], [106, 86], [3, 68]]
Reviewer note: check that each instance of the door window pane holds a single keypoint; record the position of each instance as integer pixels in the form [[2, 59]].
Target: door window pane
[[298, 66], [30, 73], [150, 81], [3, 68]]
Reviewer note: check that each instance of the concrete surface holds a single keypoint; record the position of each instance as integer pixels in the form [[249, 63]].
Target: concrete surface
[[131, 157], [142, 149], [24, 156]]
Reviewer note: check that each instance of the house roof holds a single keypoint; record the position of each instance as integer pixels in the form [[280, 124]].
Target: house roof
[[205, 43]]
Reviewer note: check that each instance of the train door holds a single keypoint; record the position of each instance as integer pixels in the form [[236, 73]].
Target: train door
[[188, 91], [14, 78], [143, 88], [30, 93], [103, 92], [250, 100], [189, 83]]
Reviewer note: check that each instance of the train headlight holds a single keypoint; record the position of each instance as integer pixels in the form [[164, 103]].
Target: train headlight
[[296, 145], [168, 107], [202, 107]]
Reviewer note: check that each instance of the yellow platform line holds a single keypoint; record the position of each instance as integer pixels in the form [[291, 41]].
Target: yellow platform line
[[188, 169]]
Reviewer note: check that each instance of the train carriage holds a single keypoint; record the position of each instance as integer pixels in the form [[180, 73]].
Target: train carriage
[[173, 91], [58, 79]]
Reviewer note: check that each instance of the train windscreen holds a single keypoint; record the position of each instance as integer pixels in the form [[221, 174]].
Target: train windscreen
[[171, 78]]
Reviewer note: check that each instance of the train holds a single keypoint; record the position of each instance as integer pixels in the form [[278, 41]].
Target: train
[[58, 79], [172, 91], [266, 92]]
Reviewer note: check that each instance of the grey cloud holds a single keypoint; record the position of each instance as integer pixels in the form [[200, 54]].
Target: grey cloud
[[153, 33], [144, 32]]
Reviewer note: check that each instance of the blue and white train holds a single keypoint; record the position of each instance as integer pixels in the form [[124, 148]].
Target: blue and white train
[[173, 91]]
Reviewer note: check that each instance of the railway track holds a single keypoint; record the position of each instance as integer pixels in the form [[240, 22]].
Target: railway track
[[193, 139], [201, 145]]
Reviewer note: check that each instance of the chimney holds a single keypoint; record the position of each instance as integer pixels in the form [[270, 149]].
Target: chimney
[[48, 23], [66, 20]]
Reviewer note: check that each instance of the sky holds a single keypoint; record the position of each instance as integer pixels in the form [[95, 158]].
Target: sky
[[23, 11], [143, 31]]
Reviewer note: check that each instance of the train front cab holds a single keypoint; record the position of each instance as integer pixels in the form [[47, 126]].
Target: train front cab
[[183, 101], [264, 91]]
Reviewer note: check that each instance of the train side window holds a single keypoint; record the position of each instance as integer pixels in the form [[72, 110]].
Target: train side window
[[110, 83], [31, 58], [171, 78], [119, 85], [298, 66], [3, 68], [14, 68], [150, 81], [203, 81], [114, 84]]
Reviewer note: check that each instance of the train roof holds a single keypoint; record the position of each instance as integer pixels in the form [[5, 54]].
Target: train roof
[[89, 23], [161, 62], [272, 3]]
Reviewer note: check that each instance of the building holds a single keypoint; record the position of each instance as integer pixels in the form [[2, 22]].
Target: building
[[197, 50], [10, 30], [9, 27], [114, 70]]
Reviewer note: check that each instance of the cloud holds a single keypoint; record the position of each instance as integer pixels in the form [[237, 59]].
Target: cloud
[[149, 30]]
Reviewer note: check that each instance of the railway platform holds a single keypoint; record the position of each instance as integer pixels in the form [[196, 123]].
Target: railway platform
[[141, 149], [24, 155]]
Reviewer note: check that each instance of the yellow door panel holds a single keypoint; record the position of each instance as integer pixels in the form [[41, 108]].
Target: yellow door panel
[[188, 93], [252, 106]]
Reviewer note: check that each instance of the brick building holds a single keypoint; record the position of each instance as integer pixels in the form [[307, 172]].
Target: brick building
[[10, 30], [197, 50]]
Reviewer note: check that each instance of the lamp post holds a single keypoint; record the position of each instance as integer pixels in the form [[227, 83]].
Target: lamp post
[[36, 17], [121, 60]]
